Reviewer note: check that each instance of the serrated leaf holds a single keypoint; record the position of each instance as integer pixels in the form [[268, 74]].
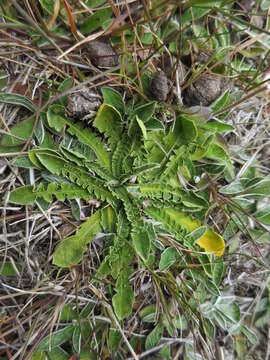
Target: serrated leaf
[[108, 121], [23, 195], [177, 221], [84, 135]]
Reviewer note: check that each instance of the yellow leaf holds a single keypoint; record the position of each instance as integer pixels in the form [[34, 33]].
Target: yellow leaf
[[212, 242]]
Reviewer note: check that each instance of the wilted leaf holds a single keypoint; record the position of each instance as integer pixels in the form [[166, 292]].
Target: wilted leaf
[[212, 242]]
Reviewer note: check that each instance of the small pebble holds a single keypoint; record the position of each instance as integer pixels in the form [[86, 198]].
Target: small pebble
[[102, 54], [159, 86]]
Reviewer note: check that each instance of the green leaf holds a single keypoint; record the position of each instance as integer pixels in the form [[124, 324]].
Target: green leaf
[[251, 335], [23, 130], [8, 268], [153, 339], [185, 130], [38, 355], [96, 20], [108, 121], [231, 312], [263, 215], [114, 339], [142, 127], [218, 153], [16, 99], [141, 242], [68, 313], [219, 126], [56, 339], [47, 5], [23, 195], [52, 162], [154, 124], [124, 299], [70, 251], [113, 98], [145, 111], [221, 102], [265, 5], [218, 272], [148, 313], [84, 135], [58, 354], [259, 188], [168, 258]]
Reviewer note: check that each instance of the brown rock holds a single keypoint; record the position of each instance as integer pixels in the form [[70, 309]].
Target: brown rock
[[83, 103], [102, 54], [159, 86], [206, 89]]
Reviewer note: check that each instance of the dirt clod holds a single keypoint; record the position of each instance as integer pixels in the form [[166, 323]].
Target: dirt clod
[[206, 89], [102, 54], [83, 103], [159, 86]]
